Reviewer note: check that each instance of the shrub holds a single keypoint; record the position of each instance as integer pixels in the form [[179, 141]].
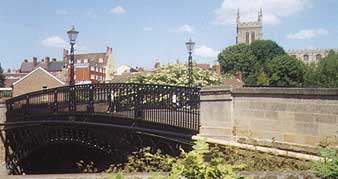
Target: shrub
[[328, 167]]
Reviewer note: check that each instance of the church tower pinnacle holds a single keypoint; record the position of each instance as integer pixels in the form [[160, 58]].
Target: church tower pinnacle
[[247, 32]]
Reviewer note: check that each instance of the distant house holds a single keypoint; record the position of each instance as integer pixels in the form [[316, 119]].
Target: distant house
[[51, 65], [91, 67], [36, 80]]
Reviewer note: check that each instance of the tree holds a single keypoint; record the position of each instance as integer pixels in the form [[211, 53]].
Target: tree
[[251, 60], [2, 78], [311, 76], [177, 74], [286, 71], [328, 70], [237, 58], [266, 50]]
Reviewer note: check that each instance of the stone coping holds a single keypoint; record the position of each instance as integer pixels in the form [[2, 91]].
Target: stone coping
[[288, 91], [272, 91]]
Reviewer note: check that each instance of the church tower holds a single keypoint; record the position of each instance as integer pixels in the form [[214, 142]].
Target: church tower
[[248, 32]]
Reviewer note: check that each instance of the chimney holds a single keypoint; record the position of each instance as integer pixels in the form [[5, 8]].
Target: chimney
[[157, 63], [47, 61], [65, 52], [239, 76], [217, 69], [35, 61], [109, 50], [54, 59]]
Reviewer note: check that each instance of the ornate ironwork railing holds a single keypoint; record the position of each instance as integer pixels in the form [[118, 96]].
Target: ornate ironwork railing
[[169, 105]]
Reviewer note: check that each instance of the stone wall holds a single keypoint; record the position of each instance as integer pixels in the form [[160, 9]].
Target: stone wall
[[281, 116]]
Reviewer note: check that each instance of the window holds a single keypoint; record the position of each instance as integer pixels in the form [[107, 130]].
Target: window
[[78, 61], [306, 57], [253, 36], [92, 77], [92, 68], [247, 37], [85, 60], [318, 57], [100, 60]]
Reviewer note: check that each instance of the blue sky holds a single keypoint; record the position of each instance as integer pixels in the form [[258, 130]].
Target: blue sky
[[139, 31]]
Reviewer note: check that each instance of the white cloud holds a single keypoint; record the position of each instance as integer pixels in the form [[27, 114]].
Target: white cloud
[[307, 34], [54, 41], [147, 28], [186, 28], [273, 10], [118, 10], [61, 12], [207, 52]]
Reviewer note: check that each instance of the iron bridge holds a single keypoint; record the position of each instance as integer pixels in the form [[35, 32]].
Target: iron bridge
[[49, 131]]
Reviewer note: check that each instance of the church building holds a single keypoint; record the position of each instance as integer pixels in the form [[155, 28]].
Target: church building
[[247, 32]]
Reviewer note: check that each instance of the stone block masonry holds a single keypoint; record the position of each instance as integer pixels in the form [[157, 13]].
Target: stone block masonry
[[289, 118]]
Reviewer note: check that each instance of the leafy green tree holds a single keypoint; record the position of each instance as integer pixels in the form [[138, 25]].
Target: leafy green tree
[[2, 77], [311, 76], [286, 71], [324, 73], [177, 74], [251, 60], [237, 58], [328, 71], [265, 51]]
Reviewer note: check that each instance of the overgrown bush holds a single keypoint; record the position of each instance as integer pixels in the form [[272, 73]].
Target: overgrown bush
[[145, 161], [328, 167]]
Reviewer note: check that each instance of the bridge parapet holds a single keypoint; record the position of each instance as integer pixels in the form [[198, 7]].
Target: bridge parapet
[[168, 105]]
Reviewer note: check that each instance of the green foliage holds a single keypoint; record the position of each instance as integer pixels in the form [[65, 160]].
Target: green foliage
[[323, 74], [263, 79], [311, 76], [145, 160], [177, 74], [256, 160], [252, 60], [265, 51], [2, 78], [237, 58], [86, 167], [195, 165], [328, 167], [286, 71]]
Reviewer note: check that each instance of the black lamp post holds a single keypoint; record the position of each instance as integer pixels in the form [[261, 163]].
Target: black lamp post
[[72, 35], [190, 47]]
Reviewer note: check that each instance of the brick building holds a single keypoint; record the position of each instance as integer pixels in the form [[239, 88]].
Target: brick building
[[51, 65], [36, 80], [91, 67]]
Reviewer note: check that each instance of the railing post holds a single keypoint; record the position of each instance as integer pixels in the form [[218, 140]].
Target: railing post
[[138, 104], [27, 106], [55, 106], [90, 107], [72, 99]]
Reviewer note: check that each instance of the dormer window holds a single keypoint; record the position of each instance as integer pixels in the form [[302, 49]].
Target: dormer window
[[85, 60], [100, 60], [78, 61]]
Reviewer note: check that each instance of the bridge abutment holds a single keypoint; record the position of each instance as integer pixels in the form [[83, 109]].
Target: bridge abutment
[[295, 119], [216, 113]]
